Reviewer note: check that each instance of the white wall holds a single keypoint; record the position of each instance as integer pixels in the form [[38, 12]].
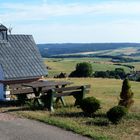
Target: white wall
[[1, 85]]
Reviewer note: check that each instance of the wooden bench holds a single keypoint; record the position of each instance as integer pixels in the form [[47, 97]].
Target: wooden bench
[[49, 93], [78, 92], [22, 92]]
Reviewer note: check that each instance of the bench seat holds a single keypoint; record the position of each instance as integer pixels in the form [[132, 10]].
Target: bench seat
[[48, 94]]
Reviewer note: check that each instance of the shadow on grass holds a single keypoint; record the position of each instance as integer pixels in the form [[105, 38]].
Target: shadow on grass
[[99, 115], [8, 103], [69, 114], [13, 106], [14, 110], [99, 119], [98, 122]]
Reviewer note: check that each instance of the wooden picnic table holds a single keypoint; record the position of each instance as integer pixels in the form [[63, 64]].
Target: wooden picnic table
[[39, 86], [44, 92]]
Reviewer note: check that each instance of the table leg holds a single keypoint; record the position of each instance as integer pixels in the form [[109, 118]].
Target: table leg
[[60, 98], [37, 92]]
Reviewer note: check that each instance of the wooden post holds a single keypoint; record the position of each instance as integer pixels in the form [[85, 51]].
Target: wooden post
[[80, 96], [49, 100]]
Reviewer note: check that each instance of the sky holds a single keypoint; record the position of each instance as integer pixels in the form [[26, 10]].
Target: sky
[[73, 21]]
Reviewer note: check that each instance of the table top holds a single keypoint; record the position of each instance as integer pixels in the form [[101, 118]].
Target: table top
[[46, 83]]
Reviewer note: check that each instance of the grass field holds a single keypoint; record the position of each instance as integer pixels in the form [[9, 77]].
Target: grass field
[[68, 65], [72, 118], [98, 127], [136, 65]]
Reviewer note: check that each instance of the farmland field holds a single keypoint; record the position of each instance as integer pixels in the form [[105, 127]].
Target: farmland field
[[67, 65], [106, 90]]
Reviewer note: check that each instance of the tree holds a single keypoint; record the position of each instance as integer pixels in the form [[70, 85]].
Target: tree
[[83, 69], [103, 74], [126, 94], [120, 72]]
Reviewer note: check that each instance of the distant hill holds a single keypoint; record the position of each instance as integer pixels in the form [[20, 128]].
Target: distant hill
[[86, 49]]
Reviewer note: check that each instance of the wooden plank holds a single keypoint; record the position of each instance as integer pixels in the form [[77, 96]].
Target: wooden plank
[[70, 88], [66, 93], [15, 86], [22, 91], [46, 84], [27, 90], [45, 89]]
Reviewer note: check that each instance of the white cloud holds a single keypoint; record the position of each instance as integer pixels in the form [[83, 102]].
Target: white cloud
[[122, 29], [21, 11]]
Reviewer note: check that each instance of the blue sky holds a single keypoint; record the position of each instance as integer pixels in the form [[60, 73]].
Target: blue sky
[[60, 21]]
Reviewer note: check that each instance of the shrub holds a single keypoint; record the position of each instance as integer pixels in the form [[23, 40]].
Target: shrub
[[83, 69], [33, 104], [138, 79], [116, 113], [90, 105], [118, 73], [102, 74], [126, 94]]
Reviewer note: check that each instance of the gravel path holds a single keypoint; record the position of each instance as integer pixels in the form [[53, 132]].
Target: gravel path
[[6, 117], [13, 128]]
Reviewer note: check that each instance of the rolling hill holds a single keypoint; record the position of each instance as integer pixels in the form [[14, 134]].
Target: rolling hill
[[89, 49]]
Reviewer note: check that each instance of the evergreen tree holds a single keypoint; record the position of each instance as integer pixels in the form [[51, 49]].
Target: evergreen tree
[[126, 94]]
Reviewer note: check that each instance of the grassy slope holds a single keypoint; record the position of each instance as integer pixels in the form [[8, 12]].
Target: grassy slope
[[107, 91], [68, 65], [71, 118], [136, 65]]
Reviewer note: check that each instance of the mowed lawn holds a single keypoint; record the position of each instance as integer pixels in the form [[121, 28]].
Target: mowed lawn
[[106, 90], [97, 127]]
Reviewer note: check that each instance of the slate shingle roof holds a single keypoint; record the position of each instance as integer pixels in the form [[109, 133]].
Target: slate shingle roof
[[20, 58]]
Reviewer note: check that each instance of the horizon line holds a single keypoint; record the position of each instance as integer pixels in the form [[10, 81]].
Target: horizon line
[[90, 43]]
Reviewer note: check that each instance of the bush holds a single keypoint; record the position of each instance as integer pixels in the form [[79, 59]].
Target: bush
[[90, 105], [118, 73], [116, 113], [138, 79], [83, 69], [102, 74], [126, 94], [33, 104]]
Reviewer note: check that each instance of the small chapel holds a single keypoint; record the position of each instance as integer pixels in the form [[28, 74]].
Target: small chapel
[[20, 60]]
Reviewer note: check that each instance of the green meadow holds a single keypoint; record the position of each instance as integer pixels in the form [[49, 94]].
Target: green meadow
[[67, 65], [106, 90]]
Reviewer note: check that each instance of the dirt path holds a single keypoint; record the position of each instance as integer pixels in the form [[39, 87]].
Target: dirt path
[[13, 128]]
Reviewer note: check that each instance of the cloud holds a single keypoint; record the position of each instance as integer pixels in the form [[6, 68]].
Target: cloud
[[25, 12], [34, 18]]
